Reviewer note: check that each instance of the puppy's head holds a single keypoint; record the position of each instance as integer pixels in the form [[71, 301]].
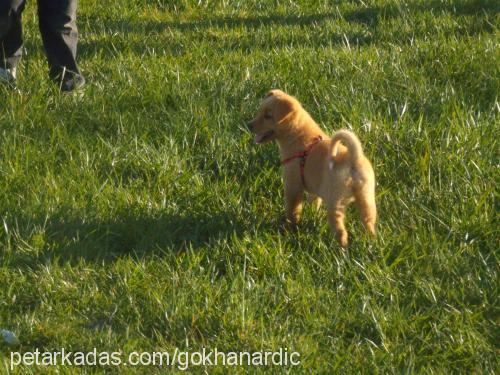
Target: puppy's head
[[275, 113]]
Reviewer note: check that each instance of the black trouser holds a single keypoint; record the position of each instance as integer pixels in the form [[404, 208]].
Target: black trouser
[[57, 22]]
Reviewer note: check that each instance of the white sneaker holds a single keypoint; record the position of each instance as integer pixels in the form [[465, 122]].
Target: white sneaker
[[8, 75]]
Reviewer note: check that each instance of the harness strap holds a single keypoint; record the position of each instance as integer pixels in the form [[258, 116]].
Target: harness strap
[[302, 155]]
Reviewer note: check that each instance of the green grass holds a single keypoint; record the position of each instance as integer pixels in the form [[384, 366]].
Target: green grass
[[141, 216]]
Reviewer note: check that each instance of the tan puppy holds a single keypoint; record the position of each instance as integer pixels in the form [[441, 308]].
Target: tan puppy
[[316, 163]]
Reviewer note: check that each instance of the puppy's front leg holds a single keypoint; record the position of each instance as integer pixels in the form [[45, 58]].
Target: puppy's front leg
[[315, 201], [293, 203]]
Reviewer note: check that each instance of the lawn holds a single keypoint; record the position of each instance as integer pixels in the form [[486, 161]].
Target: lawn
[[141, 216]]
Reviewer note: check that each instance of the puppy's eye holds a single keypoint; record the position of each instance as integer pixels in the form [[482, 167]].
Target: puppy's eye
[[268, 116]]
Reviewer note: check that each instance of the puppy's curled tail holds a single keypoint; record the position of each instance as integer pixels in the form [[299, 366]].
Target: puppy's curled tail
[[350, 140]]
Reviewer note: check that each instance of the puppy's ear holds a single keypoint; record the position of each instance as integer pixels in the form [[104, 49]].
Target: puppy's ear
[[274, 92], [283, 110]]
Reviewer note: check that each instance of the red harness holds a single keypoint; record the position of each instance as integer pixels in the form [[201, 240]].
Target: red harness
[[302, 155]]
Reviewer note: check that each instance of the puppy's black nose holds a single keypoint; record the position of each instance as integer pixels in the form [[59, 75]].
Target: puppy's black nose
[[250, 125]]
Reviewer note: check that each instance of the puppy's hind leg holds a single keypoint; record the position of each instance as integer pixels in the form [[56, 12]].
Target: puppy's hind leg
[[365, 200], [336, 214]]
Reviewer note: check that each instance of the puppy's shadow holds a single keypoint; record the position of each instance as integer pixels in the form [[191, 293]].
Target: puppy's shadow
[[62, 238]]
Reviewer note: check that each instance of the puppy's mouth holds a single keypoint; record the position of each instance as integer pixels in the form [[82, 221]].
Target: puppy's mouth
[[264, 137]]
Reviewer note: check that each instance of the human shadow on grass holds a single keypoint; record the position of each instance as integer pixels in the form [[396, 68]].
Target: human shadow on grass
[[370, 16], [69, 240], [367, 15], [150, 29], [146, 40], [150, 45]]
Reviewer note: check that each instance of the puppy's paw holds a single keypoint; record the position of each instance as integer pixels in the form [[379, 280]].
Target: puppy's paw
[[342, 237], [288, 226], [370, 227]]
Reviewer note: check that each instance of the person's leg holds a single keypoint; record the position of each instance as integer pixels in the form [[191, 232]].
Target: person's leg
[[10, 36], [57, 21]]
